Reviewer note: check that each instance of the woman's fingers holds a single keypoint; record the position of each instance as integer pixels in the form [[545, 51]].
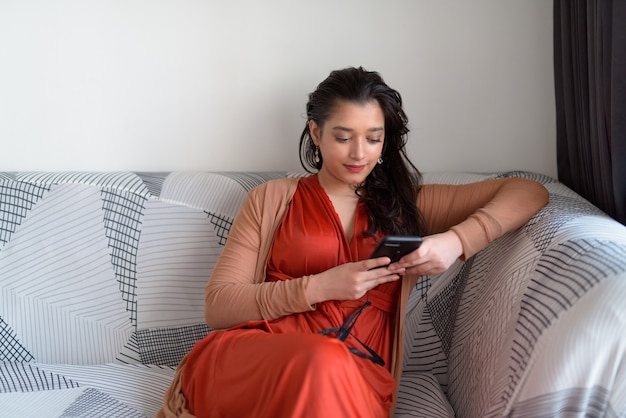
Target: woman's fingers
[[435, 255], [373, 272], [374, 263], [351, 280], [382, 272]]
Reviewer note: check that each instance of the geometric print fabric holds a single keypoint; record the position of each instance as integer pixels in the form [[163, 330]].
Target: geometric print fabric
[[16, 199], [516, 291], [58, 282], [121, 199], [122, 222], [93, 403], [10, 347]]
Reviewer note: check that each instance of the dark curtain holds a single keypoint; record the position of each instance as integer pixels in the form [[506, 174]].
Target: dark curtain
[[590, 88]]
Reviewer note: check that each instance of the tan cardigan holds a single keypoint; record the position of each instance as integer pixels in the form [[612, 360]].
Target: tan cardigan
[[237, 292]]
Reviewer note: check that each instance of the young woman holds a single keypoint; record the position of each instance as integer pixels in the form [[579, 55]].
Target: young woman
[[310, 326]]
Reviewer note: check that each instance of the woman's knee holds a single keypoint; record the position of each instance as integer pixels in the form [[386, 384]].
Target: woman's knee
[[324, 355]]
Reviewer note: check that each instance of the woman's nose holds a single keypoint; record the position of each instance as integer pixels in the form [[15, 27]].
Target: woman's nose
[[357, 151]]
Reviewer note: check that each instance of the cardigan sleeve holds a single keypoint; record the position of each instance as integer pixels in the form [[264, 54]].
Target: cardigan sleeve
[[236, 292], [480, 212]]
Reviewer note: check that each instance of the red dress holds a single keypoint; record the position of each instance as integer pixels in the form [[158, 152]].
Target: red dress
[[285, 367]]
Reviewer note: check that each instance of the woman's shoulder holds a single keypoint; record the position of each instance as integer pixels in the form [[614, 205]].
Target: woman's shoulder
[[275, 190], [277, 186]]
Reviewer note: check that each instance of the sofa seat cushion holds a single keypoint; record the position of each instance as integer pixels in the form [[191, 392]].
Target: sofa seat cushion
[[55, 390], [134, 390]]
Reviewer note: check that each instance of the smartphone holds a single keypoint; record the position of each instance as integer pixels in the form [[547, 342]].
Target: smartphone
[[396, 247]]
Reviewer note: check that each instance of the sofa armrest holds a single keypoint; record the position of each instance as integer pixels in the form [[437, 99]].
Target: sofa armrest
[[533, 322]]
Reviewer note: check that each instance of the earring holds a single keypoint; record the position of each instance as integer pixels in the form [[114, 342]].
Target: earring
[[380, 160], [317, 155]]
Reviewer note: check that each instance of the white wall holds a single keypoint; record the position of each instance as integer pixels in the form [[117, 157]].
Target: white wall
[[222, 85]]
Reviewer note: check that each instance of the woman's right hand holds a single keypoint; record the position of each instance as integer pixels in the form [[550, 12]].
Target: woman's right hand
[[350, 281]]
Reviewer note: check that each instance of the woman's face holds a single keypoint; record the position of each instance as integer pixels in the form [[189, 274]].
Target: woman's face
[[350, 143]]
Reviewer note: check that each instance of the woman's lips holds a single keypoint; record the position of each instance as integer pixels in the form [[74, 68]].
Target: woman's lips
[[355, 168]]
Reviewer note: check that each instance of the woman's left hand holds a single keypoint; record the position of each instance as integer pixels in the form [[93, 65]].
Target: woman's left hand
[[434, 256]]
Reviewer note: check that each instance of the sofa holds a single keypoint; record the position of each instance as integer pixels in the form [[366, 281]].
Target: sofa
[[102, 280]]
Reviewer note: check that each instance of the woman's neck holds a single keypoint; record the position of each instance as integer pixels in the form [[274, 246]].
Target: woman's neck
[[333, 187]]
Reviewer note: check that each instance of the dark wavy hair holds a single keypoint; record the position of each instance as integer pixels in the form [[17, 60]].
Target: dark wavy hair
[[390, 191]]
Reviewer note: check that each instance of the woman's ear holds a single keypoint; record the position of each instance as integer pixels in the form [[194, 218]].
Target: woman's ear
[[315, 131]]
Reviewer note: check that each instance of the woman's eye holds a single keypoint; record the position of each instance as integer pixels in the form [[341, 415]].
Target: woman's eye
[[374, 140], [342, 139]]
